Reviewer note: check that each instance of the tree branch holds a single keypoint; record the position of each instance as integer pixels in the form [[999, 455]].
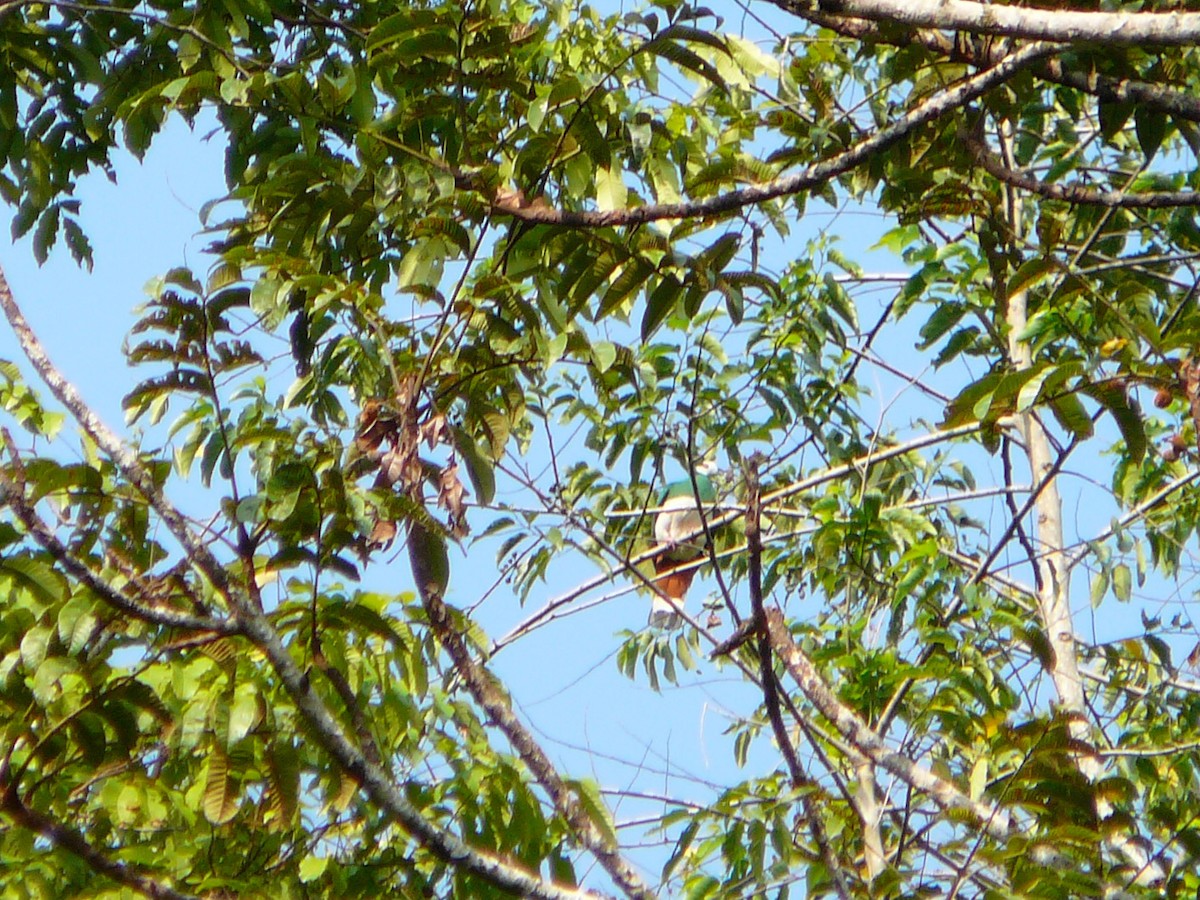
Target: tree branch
[[815, 175], [1173, 29], [1135, 513], [257, 628], [1054, 571], [1176, 103], [488, 694], [770, 683], [13, 497], [1078, 193], [74, 842], [994, 820]]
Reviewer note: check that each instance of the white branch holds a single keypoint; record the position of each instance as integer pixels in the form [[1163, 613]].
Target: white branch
[[1125, 28], [995, 821], [257, 628]]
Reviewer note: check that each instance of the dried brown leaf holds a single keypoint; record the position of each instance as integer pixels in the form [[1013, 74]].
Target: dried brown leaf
[[382, 535], [451, 497], [435, 430], [373, 427]]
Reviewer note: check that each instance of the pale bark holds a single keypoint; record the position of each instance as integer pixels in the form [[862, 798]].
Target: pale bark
[[256, 627], [866, 803], [1124, 29], [993, 820], [1051, 562]]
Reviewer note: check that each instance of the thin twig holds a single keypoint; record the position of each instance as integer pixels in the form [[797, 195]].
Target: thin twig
[[991, 818], [770, 684], [375, 781]]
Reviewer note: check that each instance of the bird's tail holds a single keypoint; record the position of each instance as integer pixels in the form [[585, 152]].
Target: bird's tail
[[674, 585]]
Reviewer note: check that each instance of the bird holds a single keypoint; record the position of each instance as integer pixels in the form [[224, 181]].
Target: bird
[[675, 538]]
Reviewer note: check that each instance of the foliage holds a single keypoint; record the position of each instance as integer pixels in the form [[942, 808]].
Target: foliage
[[486, 275]]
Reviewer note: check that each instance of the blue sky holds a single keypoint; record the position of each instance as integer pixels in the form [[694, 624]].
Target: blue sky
[[139, 227], [564, 677]]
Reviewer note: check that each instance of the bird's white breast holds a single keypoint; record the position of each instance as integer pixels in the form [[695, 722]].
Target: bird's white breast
[[677, 519]]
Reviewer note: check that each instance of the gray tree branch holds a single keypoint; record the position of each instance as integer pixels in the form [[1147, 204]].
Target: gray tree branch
[[257, 628], [1079, 193], [994, 820], [817, 174], [770, 682], [74, 842], [1174, 29], [489, 695]]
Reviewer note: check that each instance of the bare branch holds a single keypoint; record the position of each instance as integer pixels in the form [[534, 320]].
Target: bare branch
[[1079, 193], [770, 683], [1174, 29], [1137, 512], [258, 629], [489, 695], [815, 175]]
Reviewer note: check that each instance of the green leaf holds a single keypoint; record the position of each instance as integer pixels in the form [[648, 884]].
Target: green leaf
[[1031, 273], [944, 317], [1128, 417], [665, 46], [33, 575], [222, 275], [479, 469], [741, 747], [244, 713], [1072, 415], [965, 407], [402, 25], [46, 234], [632, 276], [312, 868], [35, 644], [604, 354], [283, 767], [77, 243], [76, 623], [1113, 116], [719, 254], [661, 304], [1122, 582], [682, 845], [1027, 396], [1150, 125], [88, 730], [430, 561], [588, 794], [611, 192]]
